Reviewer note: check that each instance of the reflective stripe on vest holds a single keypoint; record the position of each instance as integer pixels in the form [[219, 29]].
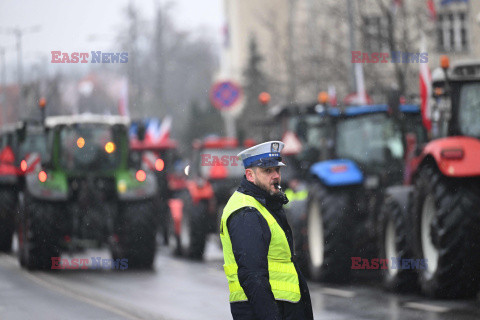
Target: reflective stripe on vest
[[282, 274]]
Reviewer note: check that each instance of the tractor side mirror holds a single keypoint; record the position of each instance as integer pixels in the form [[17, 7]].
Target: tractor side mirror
[[22, 132]]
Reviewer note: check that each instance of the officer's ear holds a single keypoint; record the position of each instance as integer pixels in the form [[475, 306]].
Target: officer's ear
[[250, 174]]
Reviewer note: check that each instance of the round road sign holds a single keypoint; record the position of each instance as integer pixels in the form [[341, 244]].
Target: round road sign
[[225, 95]]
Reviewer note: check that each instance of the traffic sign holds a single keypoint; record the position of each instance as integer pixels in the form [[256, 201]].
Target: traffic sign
[[224, 95]]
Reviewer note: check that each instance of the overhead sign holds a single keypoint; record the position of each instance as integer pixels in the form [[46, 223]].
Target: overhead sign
[[225, 95]]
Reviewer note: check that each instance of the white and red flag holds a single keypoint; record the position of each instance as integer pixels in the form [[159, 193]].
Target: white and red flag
[[425, 88]]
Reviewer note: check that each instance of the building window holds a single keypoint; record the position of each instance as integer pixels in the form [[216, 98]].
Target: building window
[[452, 33], [374, 36]]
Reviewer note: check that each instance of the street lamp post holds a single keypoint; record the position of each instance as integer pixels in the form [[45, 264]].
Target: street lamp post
[[19, 33], [352, 82]]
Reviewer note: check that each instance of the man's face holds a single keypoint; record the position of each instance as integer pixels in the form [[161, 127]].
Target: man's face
[[266, 178]]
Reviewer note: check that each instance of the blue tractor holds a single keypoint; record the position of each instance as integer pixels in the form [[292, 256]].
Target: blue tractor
[[342, 218]]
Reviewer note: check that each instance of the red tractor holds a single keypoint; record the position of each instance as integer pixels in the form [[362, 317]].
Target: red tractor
[[435, 220], [22, 144], [158, 152], [212, 176]]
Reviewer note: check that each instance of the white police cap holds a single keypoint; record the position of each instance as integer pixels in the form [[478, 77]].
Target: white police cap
[[264, 155]]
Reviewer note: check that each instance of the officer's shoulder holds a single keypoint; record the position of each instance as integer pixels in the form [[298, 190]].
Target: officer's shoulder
[[245, 213]]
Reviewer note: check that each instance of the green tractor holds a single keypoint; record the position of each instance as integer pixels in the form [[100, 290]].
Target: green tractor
[[89, 190]]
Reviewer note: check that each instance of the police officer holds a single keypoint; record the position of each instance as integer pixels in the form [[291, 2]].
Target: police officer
[[263, 279]]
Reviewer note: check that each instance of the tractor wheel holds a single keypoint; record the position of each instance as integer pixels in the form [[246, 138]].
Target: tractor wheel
[[328, 237], [446, 225], [38, 235], [395, 243], [194, 228], [137, 241], [8, 206]]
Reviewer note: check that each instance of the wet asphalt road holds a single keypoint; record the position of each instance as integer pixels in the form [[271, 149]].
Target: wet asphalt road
[[185, 290]]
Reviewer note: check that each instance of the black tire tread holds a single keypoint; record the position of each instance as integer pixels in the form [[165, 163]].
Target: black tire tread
[[456, 233], [137, 241], [405, 280], [8, 206], [336, 208]]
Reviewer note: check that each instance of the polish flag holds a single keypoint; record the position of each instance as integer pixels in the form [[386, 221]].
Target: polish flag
[[425, 88], [332, 96], [431, 9], [164, 132], [152, 130]]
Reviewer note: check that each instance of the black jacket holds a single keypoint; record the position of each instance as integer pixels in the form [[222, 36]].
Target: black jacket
[[250, 236]]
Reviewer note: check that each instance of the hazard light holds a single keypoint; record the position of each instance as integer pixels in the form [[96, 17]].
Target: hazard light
[[141, 175], [80, 142], [159, 164], [444, 62], [110, 147], [42, 102], [264, 98], [42, 176], [23, 165], [322, 97]]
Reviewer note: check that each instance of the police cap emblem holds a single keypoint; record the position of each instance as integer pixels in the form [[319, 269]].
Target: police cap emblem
[[275, 146]]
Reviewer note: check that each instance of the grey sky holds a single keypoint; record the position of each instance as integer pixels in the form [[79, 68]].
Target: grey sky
[[66, 25]]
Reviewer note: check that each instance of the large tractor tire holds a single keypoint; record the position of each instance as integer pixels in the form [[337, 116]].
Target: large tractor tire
[[395, 243], [38, 235], [194, 227], [329, 234], [447, 224], [137, 241], [8, 206]]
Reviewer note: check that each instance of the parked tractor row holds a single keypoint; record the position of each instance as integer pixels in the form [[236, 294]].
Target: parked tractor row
[[384, 192]]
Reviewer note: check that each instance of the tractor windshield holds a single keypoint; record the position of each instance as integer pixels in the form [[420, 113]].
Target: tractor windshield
[[372, 140], [469, 111], [88, 147], [34, 143], [312, 130]]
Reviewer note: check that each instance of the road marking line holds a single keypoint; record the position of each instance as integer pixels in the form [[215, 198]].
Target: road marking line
[[426, 307], [77, 296], [338, 292]]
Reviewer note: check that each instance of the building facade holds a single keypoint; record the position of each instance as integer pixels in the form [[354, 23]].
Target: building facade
[[306, 46]]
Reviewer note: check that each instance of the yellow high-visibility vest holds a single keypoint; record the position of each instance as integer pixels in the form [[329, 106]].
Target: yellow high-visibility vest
[[283, 276], [300, 195]]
